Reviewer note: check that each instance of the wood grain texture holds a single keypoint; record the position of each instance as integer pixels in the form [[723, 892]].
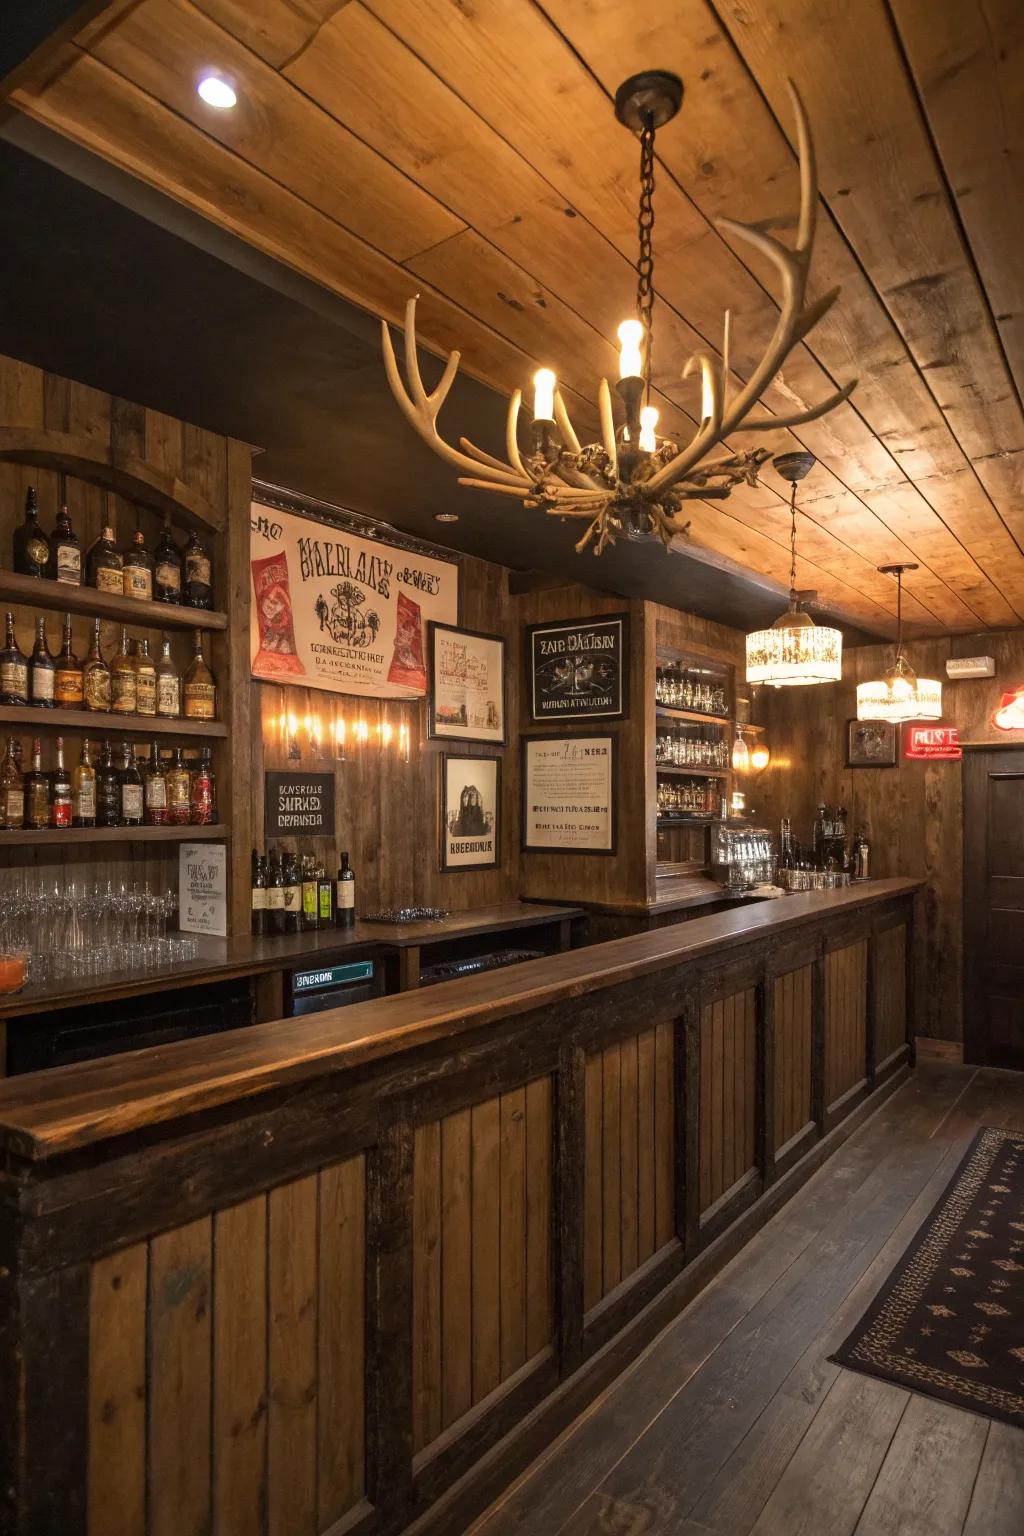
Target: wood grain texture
[[292, 1376], [792, 1054], [180, 1386], [728, 1063], [890, 1009], [341, 1475], [117, 1394], [240, 1367], [845, 1015]]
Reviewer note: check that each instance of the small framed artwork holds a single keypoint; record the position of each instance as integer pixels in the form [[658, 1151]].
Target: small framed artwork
[[466, 678], [470, 812], [569, 794], [871, 744], [578, 669]]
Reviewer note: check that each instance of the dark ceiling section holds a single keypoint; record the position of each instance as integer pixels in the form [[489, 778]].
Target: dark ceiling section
[[140, 305]]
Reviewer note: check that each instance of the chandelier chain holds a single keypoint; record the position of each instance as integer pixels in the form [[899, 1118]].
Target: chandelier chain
[[792, 541], [645, 259]]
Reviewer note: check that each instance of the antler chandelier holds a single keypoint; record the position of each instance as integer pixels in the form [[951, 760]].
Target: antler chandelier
[[635, 482]]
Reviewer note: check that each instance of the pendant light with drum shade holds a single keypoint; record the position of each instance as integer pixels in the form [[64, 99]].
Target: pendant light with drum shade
[[900, 694], [794, 651]]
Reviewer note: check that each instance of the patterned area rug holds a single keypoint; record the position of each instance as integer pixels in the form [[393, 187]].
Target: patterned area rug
[[949, 1322]]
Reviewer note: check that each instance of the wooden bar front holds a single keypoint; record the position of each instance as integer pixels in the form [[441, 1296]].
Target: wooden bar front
[[333, 1274]]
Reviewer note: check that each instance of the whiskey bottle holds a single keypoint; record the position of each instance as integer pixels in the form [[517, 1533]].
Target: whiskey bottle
[[292, 893], [310, 894], [104, 564], [259, 891], [178, 791], [31, 546], [145, 680], [108, 790], [168, 684], [65, 564], [96, 679], [67, 678], [137, 571], [60, 791], [275, 895], [167, 567], [132, 803], [83, 790], [41, 671], [203, 798], [12, 790], [37, 791], [198, 573], [154, 786], [13, 669], [123, 692], [345, 908], [199, 690]]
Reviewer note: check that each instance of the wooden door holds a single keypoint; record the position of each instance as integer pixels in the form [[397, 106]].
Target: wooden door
[[994, 907]]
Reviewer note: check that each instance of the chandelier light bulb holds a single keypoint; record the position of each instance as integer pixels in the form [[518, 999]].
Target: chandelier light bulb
[[544, 382], [648, 422], [631, 362], [216, 92], [706, 405]]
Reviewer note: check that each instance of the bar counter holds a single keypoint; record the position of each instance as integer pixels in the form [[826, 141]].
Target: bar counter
[[367, 1263]]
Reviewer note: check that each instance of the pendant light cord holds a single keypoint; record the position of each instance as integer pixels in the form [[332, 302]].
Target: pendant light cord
[[792, 547], [899, 617], [645, 260]]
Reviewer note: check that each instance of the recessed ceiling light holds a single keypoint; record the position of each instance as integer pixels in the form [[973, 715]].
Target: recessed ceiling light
[[216, 92], [446, 517]]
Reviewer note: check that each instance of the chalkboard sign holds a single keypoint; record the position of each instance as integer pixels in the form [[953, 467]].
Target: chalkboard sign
[[299, 805], [579, 668]]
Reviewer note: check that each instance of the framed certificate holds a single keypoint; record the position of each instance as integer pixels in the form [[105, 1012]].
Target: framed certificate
[[569, 788]]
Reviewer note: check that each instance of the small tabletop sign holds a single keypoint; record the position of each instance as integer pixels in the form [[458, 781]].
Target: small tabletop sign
[[933, 743], [299, 803], [203, 888]]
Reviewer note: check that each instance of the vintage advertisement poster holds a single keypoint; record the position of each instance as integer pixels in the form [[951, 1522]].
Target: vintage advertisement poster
[[203, 888], [579, 668], [569, 793], [467, 685], [337, 611], [470, 794]]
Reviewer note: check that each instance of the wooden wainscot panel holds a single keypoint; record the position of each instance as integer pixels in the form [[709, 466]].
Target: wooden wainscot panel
[[845, 1026], [792, 1015], [890, 995], [728, 1100]]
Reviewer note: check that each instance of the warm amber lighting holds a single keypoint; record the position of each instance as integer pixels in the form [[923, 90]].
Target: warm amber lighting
[[648, 422], [544, 395], [760, 757], [631, 360], [899, 695], [740, 754]]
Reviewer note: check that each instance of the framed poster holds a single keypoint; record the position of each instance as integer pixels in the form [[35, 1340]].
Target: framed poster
[[578, 669], [470, 812], [341, 603], [569, 794], [466, 672], [203, 888], [871, 744]]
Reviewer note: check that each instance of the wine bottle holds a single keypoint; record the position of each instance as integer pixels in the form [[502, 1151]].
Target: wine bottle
[[41, 670], [67, 678], [203, 797], [83, 790], [145, 680], [61, 810], [324, 897], [310, 894], [345, 909], [292, 893], [154, 785], [275, 894], [198, 573], [123, 691], [13, 669], [96, 677], [168, 566], [37, 791], [259, 894], [104, 564], [12, 790], [132, 800], [178, 791], [108, 790], [65, 563], [31, 545], [137, 570]]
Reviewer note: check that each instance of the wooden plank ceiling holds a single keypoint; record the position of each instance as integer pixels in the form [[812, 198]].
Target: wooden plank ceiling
[[467, 149]]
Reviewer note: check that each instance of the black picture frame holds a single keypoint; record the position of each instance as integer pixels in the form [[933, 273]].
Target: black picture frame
[[433, 732], [578, 709], [872, 744], [475, 764], [525, 742]]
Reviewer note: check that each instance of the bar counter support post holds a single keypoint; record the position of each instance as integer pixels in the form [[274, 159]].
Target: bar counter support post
[[818, 1026], [389, 1250], [910, 974], [871, 1011], [570, 1173], [687, 1127], [766, 1078]]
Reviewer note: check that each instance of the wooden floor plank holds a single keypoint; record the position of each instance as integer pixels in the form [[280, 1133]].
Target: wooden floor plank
[[925, 1484], [997, 1502]]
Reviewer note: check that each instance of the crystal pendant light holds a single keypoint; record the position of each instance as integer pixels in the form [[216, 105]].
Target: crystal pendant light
[[740, 753], [900, 694], [795, 650]]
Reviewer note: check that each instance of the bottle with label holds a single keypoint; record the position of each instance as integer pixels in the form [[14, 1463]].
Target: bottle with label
[[12, 790], [199, 691], [325, 897], [123, 692], [168, 567], [37, 791], [154, 789], [137, 570], [168, 683], [83, 790], [65, 552], [104, 564], [292, 893], [13, 668], [67, 678], [203, 800], [862, 856], [41, 670], [108, 790], [179, 786], [132, 798], [145, 680], [96, 676], [310, 894], [275, 895], [259, 896], [61, 809], [31, 545], [198, 590], [345, 910]]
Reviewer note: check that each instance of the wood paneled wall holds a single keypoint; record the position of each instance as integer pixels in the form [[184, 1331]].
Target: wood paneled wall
[[845, 1017], [792, 1015], [728, 1074]]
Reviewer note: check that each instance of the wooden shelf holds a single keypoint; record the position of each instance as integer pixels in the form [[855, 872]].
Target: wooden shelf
[[691, 715], [689, 819], [692, 773], [39, 592], [56, 838], [97, 723]]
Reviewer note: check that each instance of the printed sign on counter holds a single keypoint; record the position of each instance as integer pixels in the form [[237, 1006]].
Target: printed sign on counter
[[569, 793], [299, 804], [203, 888]]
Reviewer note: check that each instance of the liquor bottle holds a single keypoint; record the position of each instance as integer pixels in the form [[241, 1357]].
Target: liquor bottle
[[861, 855], [839, 851], [819, 836], [292, 893], [259, 894], [275, 895], [345, 907], [13, 669], [154, 789], [324, 897], [96, 676], [178, 791], [198, 573], [145, 680], [203, 798], [12, 790], [199, 690], [108, 790], [31, 546], [168, 684], [41, 670], [83, 790], [168, 565], [67, 679], [123, 692], [104, 564], [65, 564], [61, 810], [137, 570], [310, 894], [786, 860], [37, 791], [132, 799]]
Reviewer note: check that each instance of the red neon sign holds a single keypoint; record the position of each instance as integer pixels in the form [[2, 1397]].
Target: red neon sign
[[1010, 714], [933, 743]]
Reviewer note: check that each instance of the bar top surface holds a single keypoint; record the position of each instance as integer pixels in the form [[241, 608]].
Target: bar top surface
[[46, 1113]]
